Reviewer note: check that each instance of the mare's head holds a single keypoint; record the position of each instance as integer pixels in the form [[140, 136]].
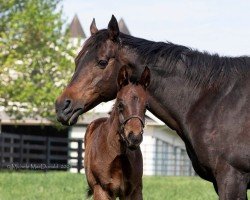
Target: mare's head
[[97, 66], [131, 104]]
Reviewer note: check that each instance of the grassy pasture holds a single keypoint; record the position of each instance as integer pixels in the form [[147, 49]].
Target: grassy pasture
[[68, 186]]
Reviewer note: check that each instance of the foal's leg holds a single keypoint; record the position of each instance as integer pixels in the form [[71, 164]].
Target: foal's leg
[[100, 194], [232, 184]]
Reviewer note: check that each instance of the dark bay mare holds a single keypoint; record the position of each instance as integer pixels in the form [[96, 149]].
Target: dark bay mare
[[205, 98], [113, 159]]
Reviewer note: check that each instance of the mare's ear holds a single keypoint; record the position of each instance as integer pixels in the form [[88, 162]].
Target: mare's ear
[[145, 78], [123, 77], [113, 28], [93, 28]]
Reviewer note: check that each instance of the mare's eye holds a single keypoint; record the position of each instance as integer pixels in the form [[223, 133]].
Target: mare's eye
[[102, 63], [120, 107]]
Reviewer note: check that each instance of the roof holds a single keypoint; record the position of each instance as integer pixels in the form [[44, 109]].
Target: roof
[[76, 30], [123, 27]]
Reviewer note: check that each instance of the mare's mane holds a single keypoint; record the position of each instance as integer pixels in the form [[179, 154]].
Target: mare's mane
[[163, 57], [200, 67]]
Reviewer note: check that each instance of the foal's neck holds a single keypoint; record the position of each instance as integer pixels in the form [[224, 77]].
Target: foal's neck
[[113, 137]]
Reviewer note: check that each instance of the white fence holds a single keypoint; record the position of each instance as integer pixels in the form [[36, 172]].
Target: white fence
[[163, 158]]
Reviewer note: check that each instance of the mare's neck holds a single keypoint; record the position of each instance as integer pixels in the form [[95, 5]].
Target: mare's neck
[[171, 94], [171, 99]]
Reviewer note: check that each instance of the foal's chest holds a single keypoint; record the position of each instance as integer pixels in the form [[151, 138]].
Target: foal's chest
[[119, 176]]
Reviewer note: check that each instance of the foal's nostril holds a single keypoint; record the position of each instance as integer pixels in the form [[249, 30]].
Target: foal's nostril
[[135, 139], [130, 134]]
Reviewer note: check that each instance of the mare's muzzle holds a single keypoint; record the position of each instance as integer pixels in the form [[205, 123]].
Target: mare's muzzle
[[67, 113]]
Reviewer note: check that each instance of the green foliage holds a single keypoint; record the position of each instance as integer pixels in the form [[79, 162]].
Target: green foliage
[[36, 57]]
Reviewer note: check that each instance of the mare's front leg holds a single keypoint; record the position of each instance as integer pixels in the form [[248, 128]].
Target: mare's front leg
[[136, 194], [232, 184], [100, 194]]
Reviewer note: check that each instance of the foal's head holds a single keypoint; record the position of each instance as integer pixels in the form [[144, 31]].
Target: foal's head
[[131, 103]]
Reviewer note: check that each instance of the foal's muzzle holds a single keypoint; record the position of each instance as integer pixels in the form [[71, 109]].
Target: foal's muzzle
[[134, 140], [132, 131]]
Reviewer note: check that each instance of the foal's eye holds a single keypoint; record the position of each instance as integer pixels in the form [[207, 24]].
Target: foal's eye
[[120, 107], [102, 63]]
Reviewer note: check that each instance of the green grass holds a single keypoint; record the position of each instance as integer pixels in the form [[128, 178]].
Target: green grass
[[64, 185], [181, 188]]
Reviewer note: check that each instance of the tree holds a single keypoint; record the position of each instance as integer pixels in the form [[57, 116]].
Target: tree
[[35, 57]]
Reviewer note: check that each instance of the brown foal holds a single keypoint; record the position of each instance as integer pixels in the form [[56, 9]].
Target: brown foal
[[113, 159]]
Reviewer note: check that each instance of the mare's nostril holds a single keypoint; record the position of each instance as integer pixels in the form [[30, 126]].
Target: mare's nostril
[[67, 106], [66, 103]]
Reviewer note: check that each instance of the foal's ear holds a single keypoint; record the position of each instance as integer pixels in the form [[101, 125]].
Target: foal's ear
[[113, 28], [93, 28], [145, 77], [123, 77]]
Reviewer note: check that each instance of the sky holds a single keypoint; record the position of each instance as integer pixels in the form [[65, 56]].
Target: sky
[[215, 26]]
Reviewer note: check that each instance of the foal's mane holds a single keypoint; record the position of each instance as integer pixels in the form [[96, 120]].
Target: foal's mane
[[200, 67]]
